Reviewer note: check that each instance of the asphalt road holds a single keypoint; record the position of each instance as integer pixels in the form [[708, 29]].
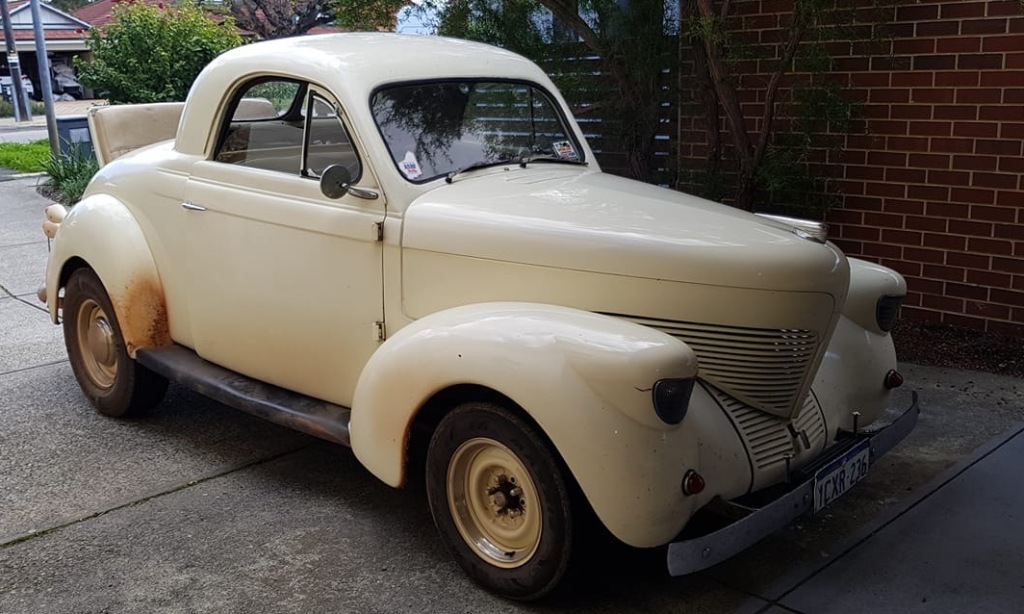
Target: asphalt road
[[198, 508]]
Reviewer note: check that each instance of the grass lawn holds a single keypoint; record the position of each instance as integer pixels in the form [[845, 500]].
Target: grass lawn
[[24, 157]]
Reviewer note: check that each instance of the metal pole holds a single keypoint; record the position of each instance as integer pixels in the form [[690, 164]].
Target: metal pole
[[44, 77], [21, 112]]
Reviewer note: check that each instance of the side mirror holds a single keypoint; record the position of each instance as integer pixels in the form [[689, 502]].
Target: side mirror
[[334, 181]]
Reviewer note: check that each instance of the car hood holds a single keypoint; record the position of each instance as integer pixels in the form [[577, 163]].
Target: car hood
[[591, 221]]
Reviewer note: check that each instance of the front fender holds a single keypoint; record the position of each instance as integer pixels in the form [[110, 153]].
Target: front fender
[[101, 231], [584, 378]]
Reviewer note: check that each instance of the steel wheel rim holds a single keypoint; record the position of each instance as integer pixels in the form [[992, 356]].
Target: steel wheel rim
[[494, 503], [96, 341]]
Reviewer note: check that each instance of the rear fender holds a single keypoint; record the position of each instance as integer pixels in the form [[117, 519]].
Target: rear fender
[[101, 232], [584, 379]]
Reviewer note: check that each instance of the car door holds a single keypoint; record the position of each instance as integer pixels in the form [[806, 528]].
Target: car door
[[284, 284]]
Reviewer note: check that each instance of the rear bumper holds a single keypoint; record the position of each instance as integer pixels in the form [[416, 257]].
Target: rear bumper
[[691, 555]]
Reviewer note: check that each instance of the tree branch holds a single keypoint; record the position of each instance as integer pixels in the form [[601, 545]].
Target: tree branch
[[796, 32]]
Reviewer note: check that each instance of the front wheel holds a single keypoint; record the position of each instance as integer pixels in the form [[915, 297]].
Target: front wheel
[[500, 501], [115, 384]]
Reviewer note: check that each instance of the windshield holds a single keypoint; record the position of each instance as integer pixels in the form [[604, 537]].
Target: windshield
[[433, 129]]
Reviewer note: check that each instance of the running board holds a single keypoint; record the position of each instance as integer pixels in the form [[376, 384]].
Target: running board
[[318, 418]]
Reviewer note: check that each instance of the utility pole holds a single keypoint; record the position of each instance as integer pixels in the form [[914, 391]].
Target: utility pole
[[44, 77], [21, 111]]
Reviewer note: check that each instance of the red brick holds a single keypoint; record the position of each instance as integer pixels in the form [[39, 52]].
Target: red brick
[[912, 298], [942, 303], [959, 10], [922, 254], [1013, 232], [957, 111], [905, 175], [1013, 96], [970, 291], [913, 79], [980, 61], [927, 286], [971, 261], [979, 95], [990, 279], [907, 143], [965, 227], [1002, 78], [937, 28], [885, 158], [972, 195], [1005, 147], [959, 78], [952, 145], [934, 271], [901, 237], [902, 266], [975, 163], [1018, 282], [1000, 43], [1010, 164], [993, 214], [884, 220], [864, 203], [937, 161], [847, 188], [1014, 60], [1009, 329], [994, 180], [929, 192], [943, 241], [869, 79], [1008, 199], [985, 26], [1007, 297], [986, 310], [976, 129], [1003, 7], [881, 127], [953, 178], [936, 95], [949, 210], [1001, 113], [933, 224], [882, 250], [919, 12], [885, 189], [958, 45], [849, 247], [910, 111], [920, 315], [913, 46], [906, 207], [865, 172], [875, 111], [861, 233], [990, 246]]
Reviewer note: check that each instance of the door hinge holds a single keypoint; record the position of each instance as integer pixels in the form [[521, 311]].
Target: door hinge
[[378, 227], [379, 332]]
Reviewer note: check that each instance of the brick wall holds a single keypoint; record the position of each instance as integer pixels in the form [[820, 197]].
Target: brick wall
[[934, 182]]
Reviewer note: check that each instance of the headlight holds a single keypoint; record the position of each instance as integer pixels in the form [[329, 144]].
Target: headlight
[[886, 310], [672, 399]]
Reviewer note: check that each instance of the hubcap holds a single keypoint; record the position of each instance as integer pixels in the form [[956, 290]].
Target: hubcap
[[494, 502], [96, 340]]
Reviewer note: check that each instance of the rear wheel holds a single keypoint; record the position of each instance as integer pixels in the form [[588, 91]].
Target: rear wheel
[[113, 382], [500, 501]]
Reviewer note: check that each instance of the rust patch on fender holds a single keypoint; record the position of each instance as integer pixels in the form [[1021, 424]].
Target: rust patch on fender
[[142, 314]]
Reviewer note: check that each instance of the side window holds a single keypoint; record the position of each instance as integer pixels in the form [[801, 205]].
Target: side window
[[266, 127], [329, 142]]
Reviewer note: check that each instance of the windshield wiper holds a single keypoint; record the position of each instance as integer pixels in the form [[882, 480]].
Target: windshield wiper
[[474, 166], [549, 158]]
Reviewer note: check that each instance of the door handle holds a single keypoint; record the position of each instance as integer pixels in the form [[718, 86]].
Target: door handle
[[188, 205]]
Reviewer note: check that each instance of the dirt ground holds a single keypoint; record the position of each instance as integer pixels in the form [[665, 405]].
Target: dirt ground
[[945, 346]]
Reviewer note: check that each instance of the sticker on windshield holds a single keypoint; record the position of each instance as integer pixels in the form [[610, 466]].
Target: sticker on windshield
[[410, 166], [564, 150]]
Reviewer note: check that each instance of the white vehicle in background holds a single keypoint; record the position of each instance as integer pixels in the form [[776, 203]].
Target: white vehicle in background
[[7, 86], [405, 245]]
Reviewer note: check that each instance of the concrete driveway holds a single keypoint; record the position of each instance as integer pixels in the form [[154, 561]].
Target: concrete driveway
[[198, 508]]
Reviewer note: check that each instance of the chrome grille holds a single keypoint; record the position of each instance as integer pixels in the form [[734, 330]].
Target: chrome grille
[[765, 368], [768, 438]]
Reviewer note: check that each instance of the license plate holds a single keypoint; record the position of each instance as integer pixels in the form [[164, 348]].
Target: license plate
[[840, 475]]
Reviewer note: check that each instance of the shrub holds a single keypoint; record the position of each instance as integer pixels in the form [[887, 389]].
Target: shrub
[[7, 109], [152, 54], [69, 175]]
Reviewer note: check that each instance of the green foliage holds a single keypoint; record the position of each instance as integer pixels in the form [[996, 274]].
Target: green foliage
[[69, 175], [7, 109], [151, 54], [25, 157]]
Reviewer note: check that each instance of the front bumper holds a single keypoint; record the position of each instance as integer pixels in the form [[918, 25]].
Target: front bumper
[[691, 555]]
